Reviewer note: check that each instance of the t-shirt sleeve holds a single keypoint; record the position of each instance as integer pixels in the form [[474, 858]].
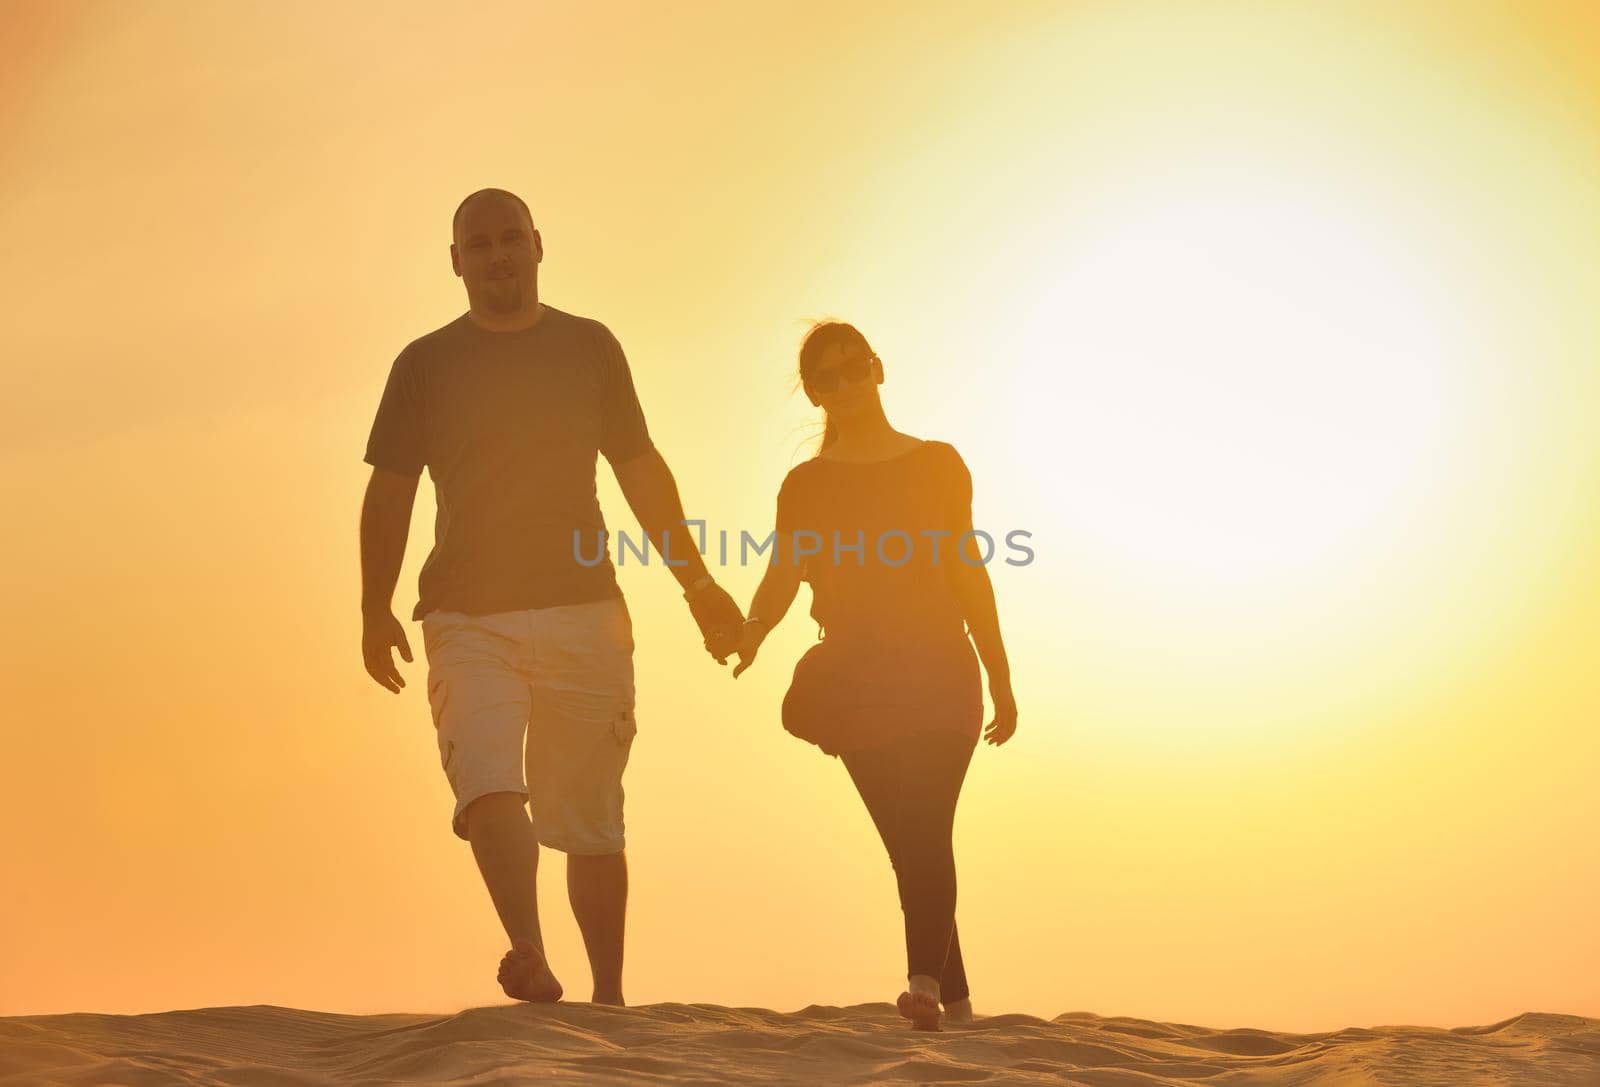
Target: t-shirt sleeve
[[787, 519], [395, 442], [792, 517], [623, 434], [958, 499]]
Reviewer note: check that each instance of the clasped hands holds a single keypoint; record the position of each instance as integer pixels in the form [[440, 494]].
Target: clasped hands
[[723, 626]]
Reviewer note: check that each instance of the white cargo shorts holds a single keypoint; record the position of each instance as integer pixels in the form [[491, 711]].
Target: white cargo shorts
[[556, 681]]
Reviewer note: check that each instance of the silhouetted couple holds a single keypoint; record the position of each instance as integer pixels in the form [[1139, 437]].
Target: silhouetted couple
[[530, 651]]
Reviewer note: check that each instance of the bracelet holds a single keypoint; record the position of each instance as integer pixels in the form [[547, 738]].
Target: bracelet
[[701, 582], [756, 619]]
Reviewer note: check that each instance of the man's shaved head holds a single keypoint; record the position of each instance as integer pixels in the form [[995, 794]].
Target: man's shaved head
[[496, 251], [484, 194]]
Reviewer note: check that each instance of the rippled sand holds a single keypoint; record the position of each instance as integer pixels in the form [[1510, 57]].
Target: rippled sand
[[706, 1044]]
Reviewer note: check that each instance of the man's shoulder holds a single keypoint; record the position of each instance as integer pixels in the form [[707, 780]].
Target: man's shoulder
[[590, 328], [556, 313], [447, 337]]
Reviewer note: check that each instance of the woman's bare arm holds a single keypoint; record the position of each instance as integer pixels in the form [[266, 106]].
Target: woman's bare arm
[[969, 578], [773, 597]]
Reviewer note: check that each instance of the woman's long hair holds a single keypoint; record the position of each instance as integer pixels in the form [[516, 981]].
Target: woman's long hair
[[825, 335]]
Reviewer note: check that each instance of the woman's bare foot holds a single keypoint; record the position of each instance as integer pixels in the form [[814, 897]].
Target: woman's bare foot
[[524, 975], [959, 1011], [920, 1007]]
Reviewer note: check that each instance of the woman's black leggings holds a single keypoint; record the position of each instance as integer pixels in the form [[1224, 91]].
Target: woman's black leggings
[[911, 790]]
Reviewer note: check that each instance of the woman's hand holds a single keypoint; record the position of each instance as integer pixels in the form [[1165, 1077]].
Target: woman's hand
[[751, 635], [1004, 725]]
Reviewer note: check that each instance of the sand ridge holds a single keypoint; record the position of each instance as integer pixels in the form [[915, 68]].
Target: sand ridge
[[707, 1044]]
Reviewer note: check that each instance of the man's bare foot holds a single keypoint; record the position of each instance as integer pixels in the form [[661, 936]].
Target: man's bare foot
[[525, 975], [959, 1011], [921, 1008]]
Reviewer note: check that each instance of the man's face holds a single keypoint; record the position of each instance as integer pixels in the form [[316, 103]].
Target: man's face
[[496, 253]]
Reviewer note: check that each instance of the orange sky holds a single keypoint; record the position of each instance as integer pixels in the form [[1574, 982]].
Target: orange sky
[[1275, 326]]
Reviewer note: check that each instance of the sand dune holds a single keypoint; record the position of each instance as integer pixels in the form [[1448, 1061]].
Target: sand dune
[[705, 1044]]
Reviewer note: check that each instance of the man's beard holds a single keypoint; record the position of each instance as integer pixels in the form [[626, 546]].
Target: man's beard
[[503, 295]]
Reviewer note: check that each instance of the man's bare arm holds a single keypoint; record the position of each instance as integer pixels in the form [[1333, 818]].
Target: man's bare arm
[[652, 495], [385, 524]]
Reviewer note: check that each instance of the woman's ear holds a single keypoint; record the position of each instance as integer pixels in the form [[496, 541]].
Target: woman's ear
[[877, 370]]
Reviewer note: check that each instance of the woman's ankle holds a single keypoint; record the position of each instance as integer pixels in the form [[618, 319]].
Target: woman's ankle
[[924, 984]]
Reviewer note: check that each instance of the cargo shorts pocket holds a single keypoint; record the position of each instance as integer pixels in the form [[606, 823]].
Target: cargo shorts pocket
[[624, 727], [438, 695]]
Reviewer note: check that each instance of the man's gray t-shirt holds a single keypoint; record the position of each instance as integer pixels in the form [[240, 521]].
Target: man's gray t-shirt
[[509, 425]]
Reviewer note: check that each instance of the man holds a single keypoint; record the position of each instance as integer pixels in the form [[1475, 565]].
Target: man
[[526, 635]]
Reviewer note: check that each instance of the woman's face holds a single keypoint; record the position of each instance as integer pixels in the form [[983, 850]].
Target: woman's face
[[844, 379]]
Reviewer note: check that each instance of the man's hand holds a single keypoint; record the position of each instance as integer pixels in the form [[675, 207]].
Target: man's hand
[[719, 620], [378, 634], [1004, 725]]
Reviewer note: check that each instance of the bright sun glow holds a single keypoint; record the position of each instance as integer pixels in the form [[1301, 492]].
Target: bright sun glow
[[1242, 382]]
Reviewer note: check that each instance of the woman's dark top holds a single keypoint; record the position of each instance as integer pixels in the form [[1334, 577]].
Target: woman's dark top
[[895, 660]]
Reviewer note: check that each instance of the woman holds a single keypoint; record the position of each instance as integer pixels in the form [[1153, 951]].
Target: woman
[[874, 522]]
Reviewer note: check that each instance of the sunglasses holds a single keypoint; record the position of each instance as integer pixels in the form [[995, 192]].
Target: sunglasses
[[825, 381]]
